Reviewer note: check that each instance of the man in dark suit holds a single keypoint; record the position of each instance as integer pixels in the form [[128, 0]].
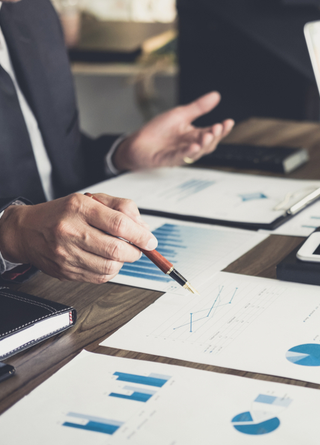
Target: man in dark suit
[[44, 157]]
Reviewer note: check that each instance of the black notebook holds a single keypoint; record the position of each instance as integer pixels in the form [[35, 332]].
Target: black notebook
[[26, 320], [258, 157]]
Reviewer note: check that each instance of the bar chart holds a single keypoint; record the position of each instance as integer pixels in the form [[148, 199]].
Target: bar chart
[[92, 423], [139, 393], [196, 252]]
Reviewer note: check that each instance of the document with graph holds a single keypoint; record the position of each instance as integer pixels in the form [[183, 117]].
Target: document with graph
[[103, 400], [203, 195], [302, 224], [197, 251], [241, 322]]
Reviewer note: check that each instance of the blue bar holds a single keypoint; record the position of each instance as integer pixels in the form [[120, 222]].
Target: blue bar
[[262, 398], [271, 400], [94, 426], [95, 418], [152, 271], [148, 268], [170, 244], [143, 380], [160, 376], [143, 275], [136, 396]]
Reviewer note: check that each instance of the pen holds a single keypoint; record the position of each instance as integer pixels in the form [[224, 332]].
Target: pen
[[160, 261], [304, 202]]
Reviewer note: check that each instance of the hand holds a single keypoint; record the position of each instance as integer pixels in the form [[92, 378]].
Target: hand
[[66, 238], [170, 137]]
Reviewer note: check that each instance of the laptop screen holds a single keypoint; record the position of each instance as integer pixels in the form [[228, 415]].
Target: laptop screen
[[312, 35]]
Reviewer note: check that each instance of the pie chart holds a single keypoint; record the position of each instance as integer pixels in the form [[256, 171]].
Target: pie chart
[[305, 355], [244, 423]]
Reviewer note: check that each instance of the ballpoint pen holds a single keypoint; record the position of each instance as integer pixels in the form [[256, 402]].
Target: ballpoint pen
[[160, 261]]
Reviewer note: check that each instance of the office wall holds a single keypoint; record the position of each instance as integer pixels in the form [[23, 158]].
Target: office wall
[[107, 103]]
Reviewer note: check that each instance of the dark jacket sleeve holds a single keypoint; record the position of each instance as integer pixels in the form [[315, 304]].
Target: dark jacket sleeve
[[95, 151]]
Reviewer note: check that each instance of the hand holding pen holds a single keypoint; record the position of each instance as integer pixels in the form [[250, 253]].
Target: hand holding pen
[[161, 262]]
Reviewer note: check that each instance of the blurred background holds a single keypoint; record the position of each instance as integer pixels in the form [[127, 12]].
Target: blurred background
[[133, 59], [123, 57]]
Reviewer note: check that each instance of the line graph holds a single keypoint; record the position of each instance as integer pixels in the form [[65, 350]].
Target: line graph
[[209, 323], [209, 312]]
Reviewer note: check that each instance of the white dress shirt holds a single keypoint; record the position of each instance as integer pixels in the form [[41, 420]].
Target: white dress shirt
[[41, 157]]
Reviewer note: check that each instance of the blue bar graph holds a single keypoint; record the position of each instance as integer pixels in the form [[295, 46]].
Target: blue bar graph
[[137, 394], [187, 188], [271, 400], [141, 379], [92, 423], [172, 240]]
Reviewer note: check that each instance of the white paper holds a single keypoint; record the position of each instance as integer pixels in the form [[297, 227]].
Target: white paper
[[209, 193], [197, 251], [82, 404], [241, 322], [302, 224]]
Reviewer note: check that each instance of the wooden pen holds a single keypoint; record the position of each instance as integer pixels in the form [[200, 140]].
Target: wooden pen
[[160, 261]]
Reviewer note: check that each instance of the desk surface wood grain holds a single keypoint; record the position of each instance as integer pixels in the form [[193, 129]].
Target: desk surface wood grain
[[102, 309]]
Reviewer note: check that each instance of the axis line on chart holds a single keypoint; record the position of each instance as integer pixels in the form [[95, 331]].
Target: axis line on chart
[[211, 311]]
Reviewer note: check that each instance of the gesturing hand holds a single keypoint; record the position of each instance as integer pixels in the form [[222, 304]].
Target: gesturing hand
[[68, 238], [170, 137]]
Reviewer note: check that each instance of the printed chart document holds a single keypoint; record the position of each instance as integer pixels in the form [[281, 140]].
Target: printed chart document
[[99, 399], [196, 250], [209, 195], [241, 322], [302, 224]]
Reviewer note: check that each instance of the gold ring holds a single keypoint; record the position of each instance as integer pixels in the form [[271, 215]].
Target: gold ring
[[188, 160]]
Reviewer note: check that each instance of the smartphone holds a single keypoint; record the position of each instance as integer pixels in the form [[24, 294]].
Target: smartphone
[[310, 249]]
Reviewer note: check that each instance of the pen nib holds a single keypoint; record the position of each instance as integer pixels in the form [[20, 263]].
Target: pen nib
[[191, 288]]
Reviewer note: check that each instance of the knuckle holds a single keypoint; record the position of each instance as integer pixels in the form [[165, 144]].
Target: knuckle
[[111, 267], [73, 203], [100, 279], [119, 224], [129, 204], [116, 250]]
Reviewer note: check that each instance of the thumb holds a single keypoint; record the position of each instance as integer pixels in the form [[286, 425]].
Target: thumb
[[201, 106]]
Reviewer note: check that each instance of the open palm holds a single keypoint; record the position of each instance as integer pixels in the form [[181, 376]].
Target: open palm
[[170, 139]]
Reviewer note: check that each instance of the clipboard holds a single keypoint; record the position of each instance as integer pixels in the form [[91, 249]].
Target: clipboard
[[301, 204], [214, 197]]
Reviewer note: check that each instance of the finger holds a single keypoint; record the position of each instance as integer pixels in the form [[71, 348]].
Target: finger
[[77, 264], [123, 205], [228, 124], [208, 139], [201, 106], [83, 275], [120, 225]]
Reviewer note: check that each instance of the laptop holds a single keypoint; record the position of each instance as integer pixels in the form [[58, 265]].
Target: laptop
[[312, 36]]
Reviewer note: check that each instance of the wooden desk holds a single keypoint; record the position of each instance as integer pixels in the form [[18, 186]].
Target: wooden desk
[[102, 309]]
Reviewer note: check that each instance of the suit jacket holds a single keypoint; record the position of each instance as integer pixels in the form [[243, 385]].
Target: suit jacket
[[35, 41]]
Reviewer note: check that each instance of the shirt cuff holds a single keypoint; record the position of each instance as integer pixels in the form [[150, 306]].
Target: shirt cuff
[[109, 167], [6, 265]]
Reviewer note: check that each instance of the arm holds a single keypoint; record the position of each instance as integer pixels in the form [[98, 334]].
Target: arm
[[68, 238]]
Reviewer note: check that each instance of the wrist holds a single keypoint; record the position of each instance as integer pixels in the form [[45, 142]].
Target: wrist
[[10, 234], [121, 158]]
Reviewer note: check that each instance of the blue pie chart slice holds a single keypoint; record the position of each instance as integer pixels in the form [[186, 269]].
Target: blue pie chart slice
[[304, 355], [244, 423]]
